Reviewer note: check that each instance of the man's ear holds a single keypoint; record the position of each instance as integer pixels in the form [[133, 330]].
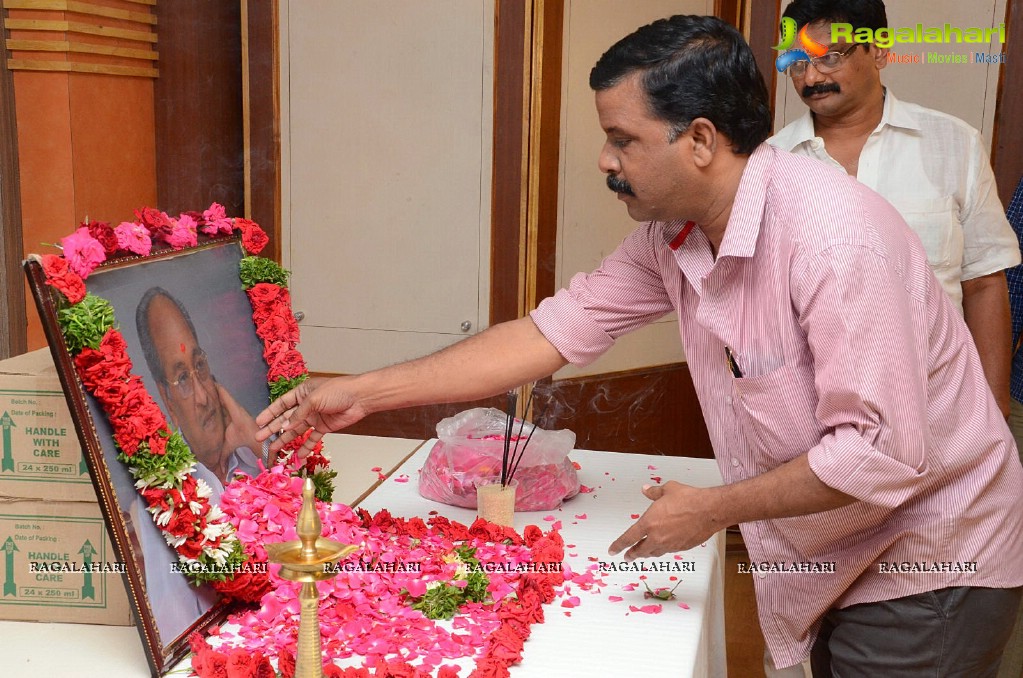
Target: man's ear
[[880, 56], [705, 139]]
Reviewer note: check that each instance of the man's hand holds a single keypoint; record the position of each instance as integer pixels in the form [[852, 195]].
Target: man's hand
[[323, 405], [239, 426], [676, 521]]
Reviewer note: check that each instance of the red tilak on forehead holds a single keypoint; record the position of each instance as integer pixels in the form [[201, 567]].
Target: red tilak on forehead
[[182, 347]]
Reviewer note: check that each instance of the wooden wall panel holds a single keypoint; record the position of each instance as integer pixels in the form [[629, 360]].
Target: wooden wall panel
[[1006, 158], [199, 139]]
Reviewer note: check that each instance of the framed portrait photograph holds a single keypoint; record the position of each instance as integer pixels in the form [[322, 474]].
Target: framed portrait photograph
[[187, 326]]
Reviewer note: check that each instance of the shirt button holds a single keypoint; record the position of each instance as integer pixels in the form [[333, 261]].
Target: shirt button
[[735, 462], [728, 400], [762, 575], [816, 144]]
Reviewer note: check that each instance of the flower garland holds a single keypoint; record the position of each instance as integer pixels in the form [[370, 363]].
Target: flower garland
[[159, 459], [369, 611]]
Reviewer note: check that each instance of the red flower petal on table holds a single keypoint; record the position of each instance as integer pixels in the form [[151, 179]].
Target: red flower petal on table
[[60, 276], [615, 599], [549, 519], [571, 601], [656, 479], [683, 606], [634, 516], [646, 609], [577, 466], [376, 469], [556, 525], [651, 467], [581, 516], [583, 489], [630, 587], [401, 479]]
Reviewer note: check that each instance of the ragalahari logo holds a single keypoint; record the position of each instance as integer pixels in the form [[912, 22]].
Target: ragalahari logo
[[809, 46]]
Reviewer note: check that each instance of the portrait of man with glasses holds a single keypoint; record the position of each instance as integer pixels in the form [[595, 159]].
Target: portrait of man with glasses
[[188, 326], [220, 433]]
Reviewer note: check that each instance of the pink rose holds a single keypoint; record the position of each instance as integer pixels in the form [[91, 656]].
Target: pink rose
[[216, 221], [134, 238], [83, 252], [183, 232]]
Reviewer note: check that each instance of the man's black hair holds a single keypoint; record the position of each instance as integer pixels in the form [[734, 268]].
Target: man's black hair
[[860, 13], [146, 337], [693, 67]]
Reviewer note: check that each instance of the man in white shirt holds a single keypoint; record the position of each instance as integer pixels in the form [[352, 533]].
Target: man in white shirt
[[931, 166]]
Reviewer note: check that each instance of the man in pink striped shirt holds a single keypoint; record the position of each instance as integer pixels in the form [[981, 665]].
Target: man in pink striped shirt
[[844, 397]]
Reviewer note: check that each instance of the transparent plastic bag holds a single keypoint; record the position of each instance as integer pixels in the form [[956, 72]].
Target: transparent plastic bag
[[470, 448]]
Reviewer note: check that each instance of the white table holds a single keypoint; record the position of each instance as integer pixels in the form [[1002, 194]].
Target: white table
[[599, 639], [31, 649]]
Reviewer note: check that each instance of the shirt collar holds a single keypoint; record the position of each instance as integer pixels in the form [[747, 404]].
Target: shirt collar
[[743, 227], [895, 113], [747, 210]]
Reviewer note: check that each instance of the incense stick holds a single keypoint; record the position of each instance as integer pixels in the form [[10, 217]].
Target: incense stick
[[513, 399], [520, 455]]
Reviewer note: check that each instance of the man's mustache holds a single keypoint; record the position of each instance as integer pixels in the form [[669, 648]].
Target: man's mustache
[[619, 185], [823, 87]]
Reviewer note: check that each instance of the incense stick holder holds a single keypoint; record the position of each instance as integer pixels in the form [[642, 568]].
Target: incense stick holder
[[496, 502]]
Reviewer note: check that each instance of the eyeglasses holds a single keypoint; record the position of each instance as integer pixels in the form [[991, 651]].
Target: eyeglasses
[[828, 62], [184, 384]]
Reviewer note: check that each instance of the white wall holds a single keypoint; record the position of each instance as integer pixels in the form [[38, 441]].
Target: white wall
[[592, 221], [386, 162]]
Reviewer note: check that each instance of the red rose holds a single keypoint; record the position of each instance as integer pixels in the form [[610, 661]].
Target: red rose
[[286, 664], [181, 523], [101, 231], [60, 276], [506, 645], [158, 223], [191, 549], [287, 363], [447, 672], [531, 534], [416, 528], [489, 668], [240, 663], [383, 520], [254, 239], [247, 587]]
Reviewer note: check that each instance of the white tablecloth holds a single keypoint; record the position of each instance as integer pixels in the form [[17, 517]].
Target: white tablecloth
[[603, 638]]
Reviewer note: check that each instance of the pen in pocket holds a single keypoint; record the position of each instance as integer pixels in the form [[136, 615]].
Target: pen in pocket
[[733, 366]]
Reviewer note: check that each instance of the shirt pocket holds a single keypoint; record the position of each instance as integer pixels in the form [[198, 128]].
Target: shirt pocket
[[936, 222], [776, 414]]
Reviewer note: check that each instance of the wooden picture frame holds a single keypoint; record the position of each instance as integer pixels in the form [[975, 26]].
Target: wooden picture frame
[[203, 283]]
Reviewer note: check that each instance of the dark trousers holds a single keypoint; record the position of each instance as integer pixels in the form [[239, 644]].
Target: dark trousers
[[958, 631]]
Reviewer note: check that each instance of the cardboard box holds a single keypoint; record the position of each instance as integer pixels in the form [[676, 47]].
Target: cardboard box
[[40, 456], [58, 565], [57, 561]]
